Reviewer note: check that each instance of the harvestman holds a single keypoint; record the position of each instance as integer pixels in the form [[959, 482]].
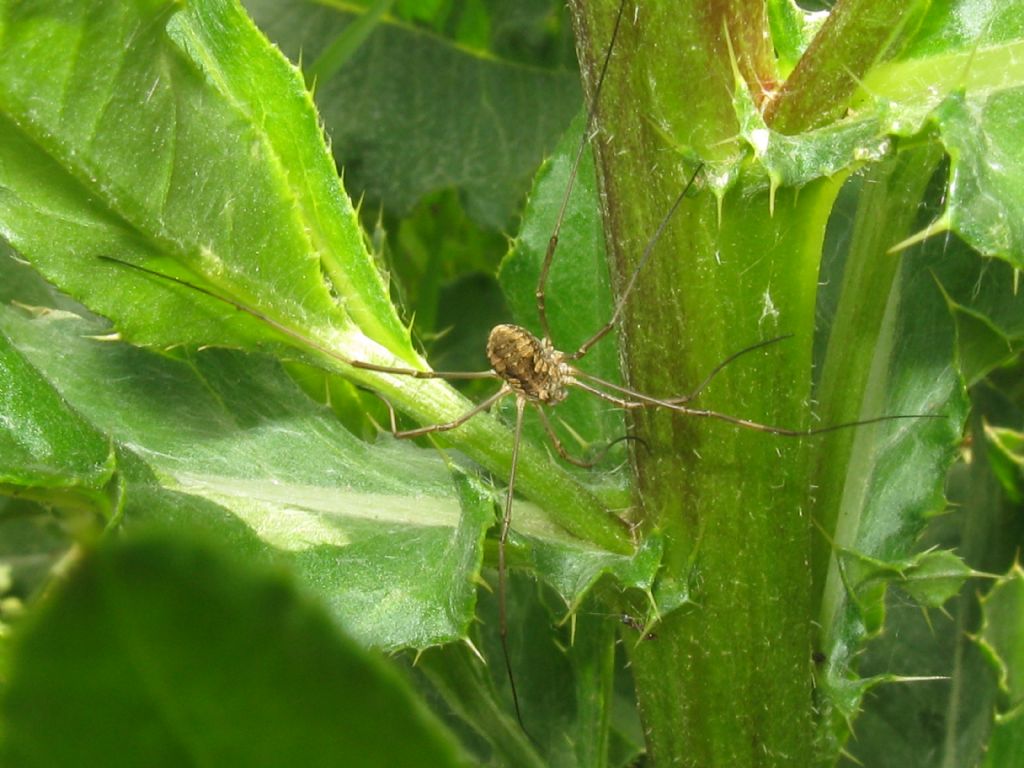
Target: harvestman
[[533, 369]]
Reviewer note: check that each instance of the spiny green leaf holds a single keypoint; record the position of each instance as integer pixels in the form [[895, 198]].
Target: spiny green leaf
[[931, 577], [412, 114], [792, 161], [1006, 745], [935, 577], [1006, 453], [208, 166], [225, 442], [1001, 630], [986, 202], [963, 72]]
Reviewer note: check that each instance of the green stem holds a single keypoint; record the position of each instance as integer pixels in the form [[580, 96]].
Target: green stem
[[855, 35], [728, 681]]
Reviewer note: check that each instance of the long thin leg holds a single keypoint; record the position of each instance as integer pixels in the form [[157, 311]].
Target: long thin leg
[[643, 401], [506, 522], [718, 368], [448, 425], [559, 447], [506, 519], [648, 250], [553, 241], [564, 453], [301, 338]]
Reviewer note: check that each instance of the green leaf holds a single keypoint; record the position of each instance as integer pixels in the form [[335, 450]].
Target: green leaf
[[989, 319], [826, 151], [986, 203], [912, 712], [955, 46], [1006, 453], [412, 113], [209, 167], [46, 449], [999, 637], [931, 578], [962, 72], [347, 43], [935, 577], [891, 339], [226, 442], [183, 110], [921, 722], [1006, 746], [158, 634]]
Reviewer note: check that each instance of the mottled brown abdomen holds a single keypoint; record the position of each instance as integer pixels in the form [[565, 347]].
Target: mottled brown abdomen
[[530, 366]]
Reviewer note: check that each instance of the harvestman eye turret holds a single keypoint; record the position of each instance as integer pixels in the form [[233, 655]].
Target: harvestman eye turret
[[530, 368]]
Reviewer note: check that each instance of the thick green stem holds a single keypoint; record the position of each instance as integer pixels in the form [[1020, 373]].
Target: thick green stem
[[728, 681]]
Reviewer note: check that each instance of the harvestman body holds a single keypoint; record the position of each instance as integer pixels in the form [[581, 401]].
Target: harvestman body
[[531, 368]]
